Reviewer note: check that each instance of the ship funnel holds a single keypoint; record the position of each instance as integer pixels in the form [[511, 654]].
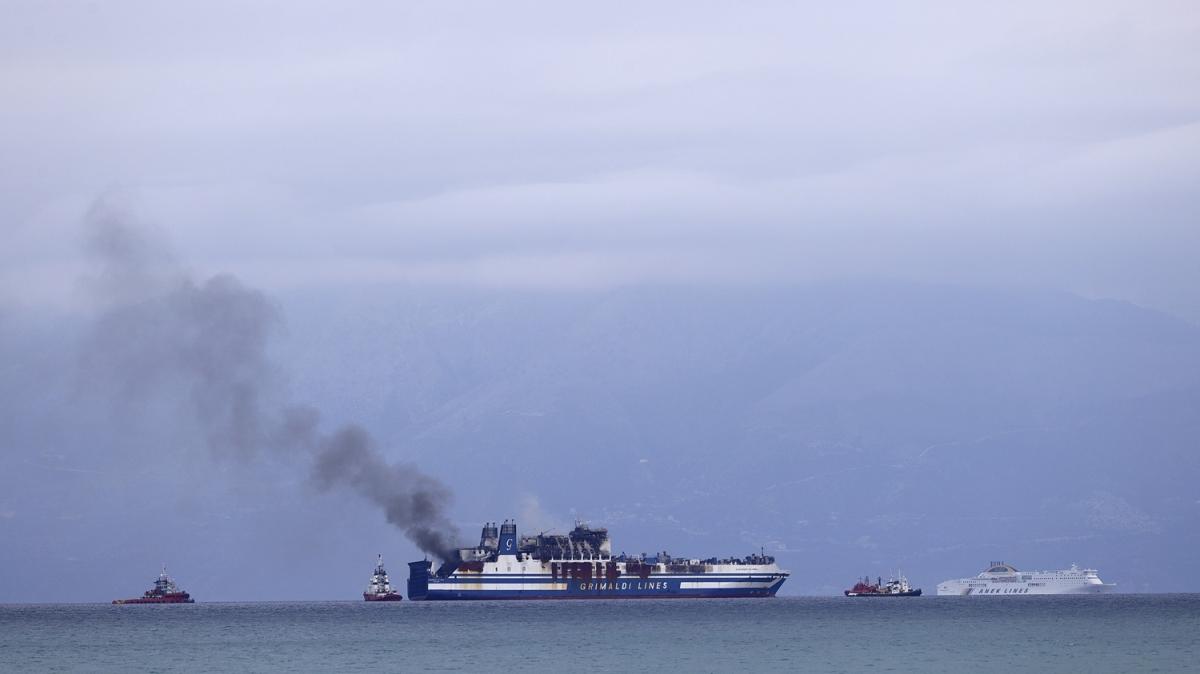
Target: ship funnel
[[488, 540], [508, 538]]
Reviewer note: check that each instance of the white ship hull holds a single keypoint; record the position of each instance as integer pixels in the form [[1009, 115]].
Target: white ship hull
[[1002, 580]]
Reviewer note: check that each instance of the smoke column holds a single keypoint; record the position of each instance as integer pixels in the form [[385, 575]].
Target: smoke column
[[159, 329]]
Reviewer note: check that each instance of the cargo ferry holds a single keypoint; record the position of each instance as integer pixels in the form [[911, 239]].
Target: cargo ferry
[[580, 565]]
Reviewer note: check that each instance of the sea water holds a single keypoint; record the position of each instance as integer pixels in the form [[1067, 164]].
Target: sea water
[[1114, 633]]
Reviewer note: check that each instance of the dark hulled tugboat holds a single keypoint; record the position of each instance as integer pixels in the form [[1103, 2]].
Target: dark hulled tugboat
[[896, 587], [165, 591], [380, 589]]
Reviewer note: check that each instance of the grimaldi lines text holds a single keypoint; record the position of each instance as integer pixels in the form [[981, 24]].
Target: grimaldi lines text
[[580, 565]]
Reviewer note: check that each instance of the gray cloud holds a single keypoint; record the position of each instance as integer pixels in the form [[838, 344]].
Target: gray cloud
[[591, 147], [532, 146]]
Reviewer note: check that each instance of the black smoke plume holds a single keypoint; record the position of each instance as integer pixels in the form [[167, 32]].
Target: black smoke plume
[[159, 329]]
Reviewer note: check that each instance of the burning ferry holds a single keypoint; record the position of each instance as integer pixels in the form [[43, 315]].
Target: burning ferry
[[580, 565]]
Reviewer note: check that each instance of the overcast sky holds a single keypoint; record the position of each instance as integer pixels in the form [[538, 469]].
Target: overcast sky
[[583, 145]]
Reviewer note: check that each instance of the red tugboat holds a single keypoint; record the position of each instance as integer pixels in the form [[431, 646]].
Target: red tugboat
[[896, 587], [165, 591], [380, 589]]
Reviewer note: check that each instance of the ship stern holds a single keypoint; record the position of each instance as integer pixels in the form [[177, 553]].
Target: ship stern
[[418, 579]]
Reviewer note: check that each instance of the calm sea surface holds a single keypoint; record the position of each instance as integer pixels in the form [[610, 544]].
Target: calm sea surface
[[1118, 633]]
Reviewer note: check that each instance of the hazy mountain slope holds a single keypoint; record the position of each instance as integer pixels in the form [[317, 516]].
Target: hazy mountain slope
[[856, 425], [850, 428]]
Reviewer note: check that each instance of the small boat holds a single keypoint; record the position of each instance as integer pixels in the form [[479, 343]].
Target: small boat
[[896, 587], [379, 588], [165, 591]]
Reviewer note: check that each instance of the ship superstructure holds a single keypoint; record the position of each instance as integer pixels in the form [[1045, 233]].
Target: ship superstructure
[[379, 588], [1004, 580], [580, 565]]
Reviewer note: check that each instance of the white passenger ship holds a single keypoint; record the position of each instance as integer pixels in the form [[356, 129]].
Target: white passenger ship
[[1002, 579]]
